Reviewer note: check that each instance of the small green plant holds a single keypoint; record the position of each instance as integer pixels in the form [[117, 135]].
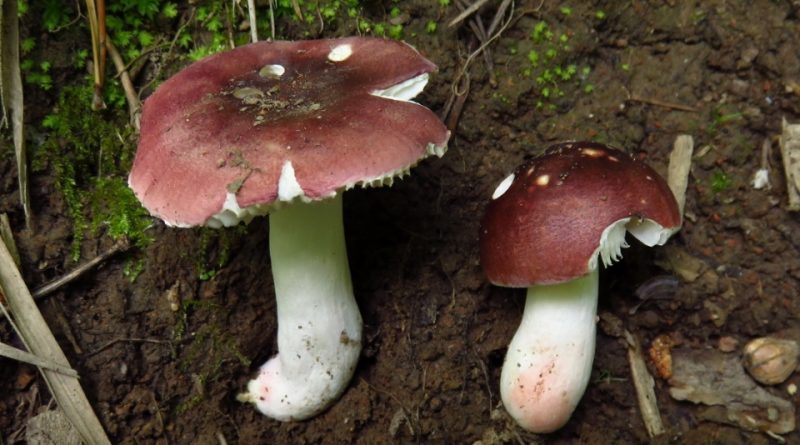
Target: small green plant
[[132, 24], [566, 10], [27, 45], [209, 18], [600, 14], [133, 268], [721, 117], [33, 72], [548, 63], [54, 15], [533, 57], [81, 56], [720, 181], [22, 7], [37, 74], [541, 32], [396, 31], [431, 26]]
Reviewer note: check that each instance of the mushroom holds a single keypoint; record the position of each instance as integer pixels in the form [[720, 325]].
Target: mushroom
[[283, 128], [544, 229]]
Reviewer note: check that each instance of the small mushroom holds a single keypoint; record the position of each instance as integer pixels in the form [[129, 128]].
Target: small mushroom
[[770, 360], [543, 230], [283, 128]]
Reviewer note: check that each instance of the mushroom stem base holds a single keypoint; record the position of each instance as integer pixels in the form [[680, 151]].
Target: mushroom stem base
[[319, 325], [549, 360]]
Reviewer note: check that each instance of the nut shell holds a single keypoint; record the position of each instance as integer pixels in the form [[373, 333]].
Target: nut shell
[[771, 360]]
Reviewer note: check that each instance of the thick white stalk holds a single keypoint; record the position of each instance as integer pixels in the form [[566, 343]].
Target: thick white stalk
[[319, 325], [549, 360]]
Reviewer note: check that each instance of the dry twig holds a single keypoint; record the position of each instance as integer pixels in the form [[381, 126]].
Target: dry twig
[[111, 343], [134, 106], [661, 103], [467, 12], [460, 86], [643, 382], [96, 13], [120, 246]]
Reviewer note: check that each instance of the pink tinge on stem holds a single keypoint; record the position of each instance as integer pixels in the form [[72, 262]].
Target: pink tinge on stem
[[541, 400]]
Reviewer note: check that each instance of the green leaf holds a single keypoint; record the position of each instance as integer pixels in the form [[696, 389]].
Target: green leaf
[[28, 45], [145, 38], [169, 10]]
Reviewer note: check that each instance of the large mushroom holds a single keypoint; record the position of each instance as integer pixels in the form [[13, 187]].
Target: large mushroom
[[282, 128], [543, 230]]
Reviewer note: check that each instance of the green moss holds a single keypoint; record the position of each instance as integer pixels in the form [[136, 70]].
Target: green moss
[[115, 208], [211, 260], [89, 154]]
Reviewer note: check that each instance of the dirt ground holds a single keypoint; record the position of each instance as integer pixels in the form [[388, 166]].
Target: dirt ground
[[725, 72]]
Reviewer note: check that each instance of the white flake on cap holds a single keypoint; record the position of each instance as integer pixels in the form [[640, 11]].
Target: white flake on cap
[[288, 187], [232, 214], [340, 53], [271, 71], [405, 90], [438, 150], [502, 188]]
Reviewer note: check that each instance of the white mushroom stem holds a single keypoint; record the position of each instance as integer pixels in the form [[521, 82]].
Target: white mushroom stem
[[319, 326], [549, 360]]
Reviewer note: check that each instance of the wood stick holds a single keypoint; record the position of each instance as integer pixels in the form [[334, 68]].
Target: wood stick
[[643, 382], [52, 286], [661, 103]]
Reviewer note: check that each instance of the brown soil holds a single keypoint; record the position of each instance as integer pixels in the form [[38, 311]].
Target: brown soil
[[435, 330]]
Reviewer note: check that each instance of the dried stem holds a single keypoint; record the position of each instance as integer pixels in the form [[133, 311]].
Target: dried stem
[[134, 105], [56, 284]]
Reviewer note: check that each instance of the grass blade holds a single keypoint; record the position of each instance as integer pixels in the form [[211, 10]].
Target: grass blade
[[11, 94]]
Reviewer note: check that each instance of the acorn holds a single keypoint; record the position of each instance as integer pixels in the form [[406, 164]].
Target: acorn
[[771, 360]]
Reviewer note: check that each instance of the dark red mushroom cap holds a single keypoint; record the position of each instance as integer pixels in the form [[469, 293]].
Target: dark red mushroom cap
[[547, 225], [232, 122]]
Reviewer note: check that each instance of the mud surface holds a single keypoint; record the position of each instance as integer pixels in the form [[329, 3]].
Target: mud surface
[[435, 331]]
